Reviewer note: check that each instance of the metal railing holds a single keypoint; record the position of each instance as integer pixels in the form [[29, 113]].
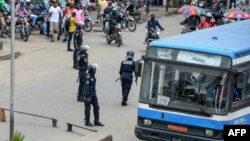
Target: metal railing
[[54, 121]]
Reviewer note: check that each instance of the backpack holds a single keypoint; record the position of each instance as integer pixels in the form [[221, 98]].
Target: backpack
[[67, 24]]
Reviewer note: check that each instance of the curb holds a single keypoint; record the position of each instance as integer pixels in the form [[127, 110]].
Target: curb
[[96, 137], [8, 56]]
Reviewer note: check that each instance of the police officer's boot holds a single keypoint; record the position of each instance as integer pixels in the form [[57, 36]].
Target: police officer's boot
[[124, 101], [97, 122], [87, 117]]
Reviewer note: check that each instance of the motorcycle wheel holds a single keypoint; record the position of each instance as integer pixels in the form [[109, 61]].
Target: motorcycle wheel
[[25, 35], [88, 26], [131, 25], [119, 40]]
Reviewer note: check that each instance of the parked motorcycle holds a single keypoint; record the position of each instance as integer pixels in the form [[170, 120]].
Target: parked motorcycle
[[136, 13], [128, 22], [116, 35], [87, 22]]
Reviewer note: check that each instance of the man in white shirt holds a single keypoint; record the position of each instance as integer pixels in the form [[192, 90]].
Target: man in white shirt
[[55, 15], [85, 3]]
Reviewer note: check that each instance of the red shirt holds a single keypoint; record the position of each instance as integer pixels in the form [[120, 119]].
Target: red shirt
[[205, 24]]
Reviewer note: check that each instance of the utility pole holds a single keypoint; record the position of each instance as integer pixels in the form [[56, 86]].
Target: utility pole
[[12, 69]]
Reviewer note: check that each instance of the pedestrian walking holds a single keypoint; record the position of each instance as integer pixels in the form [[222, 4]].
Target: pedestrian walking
[[54, 16], [82, 66], [126, 76], [91, 97], [71, 30]]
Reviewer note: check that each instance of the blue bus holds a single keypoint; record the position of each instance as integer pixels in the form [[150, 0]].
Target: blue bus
[[195, 83]]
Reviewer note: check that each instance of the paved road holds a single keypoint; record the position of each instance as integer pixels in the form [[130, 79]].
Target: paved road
[[46, 85]]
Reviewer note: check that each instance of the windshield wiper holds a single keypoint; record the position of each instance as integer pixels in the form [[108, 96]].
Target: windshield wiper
[[198, 105]]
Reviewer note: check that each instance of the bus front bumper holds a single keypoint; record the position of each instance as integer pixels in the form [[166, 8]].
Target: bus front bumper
[[150, 134]]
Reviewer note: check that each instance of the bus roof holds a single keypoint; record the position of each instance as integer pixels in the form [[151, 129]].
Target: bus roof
[[232, 40]]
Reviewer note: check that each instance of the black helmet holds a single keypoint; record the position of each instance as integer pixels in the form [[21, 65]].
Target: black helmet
[[130, 54]]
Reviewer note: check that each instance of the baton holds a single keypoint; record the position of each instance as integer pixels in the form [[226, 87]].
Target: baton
[[117, 79]]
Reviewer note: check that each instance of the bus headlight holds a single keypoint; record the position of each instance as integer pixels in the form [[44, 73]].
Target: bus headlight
[[209, 132], [147, 122]]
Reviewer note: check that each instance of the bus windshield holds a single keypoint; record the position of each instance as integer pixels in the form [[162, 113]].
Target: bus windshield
[[185, 88]]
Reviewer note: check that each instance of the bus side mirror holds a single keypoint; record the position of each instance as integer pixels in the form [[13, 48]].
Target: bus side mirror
[[138, 69]]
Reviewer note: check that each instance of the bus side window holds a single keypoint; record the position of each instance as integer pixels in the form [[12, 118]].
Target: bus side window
[[246, 89]]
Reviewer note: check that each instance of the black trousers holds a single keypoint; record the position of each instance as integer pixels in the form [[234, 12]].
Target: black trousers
[[82, 80], [48, 26], [94, 103], [126, 86], [70, 38]]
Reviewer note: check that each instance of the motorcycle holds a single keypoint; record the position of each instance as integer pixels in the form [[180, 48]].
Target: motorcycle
[[152, 35], [7, 19], [187, 29], [222, 4], [137, 11], [128, 22], [40, 23], [22, 27], [87, 22], [115, 35]]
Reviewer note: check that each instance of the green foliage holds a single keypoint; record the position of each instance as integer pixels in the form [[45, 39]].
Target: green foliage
[[18, 136]]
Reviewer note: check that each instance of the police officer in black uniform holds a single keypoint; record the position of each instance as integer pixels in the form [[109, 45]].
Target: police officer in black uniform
[[82, 65], [91, 98], [77, 44], [126, 75]]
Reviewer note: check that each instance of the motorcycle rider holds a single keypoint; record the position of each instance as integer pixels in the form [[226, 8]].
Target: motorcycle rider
[[91, 97], [29, 8], [20, 9], [106, 14], [115, 19], [82, 66], [152, 23], [207, 22], [192, 22]]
